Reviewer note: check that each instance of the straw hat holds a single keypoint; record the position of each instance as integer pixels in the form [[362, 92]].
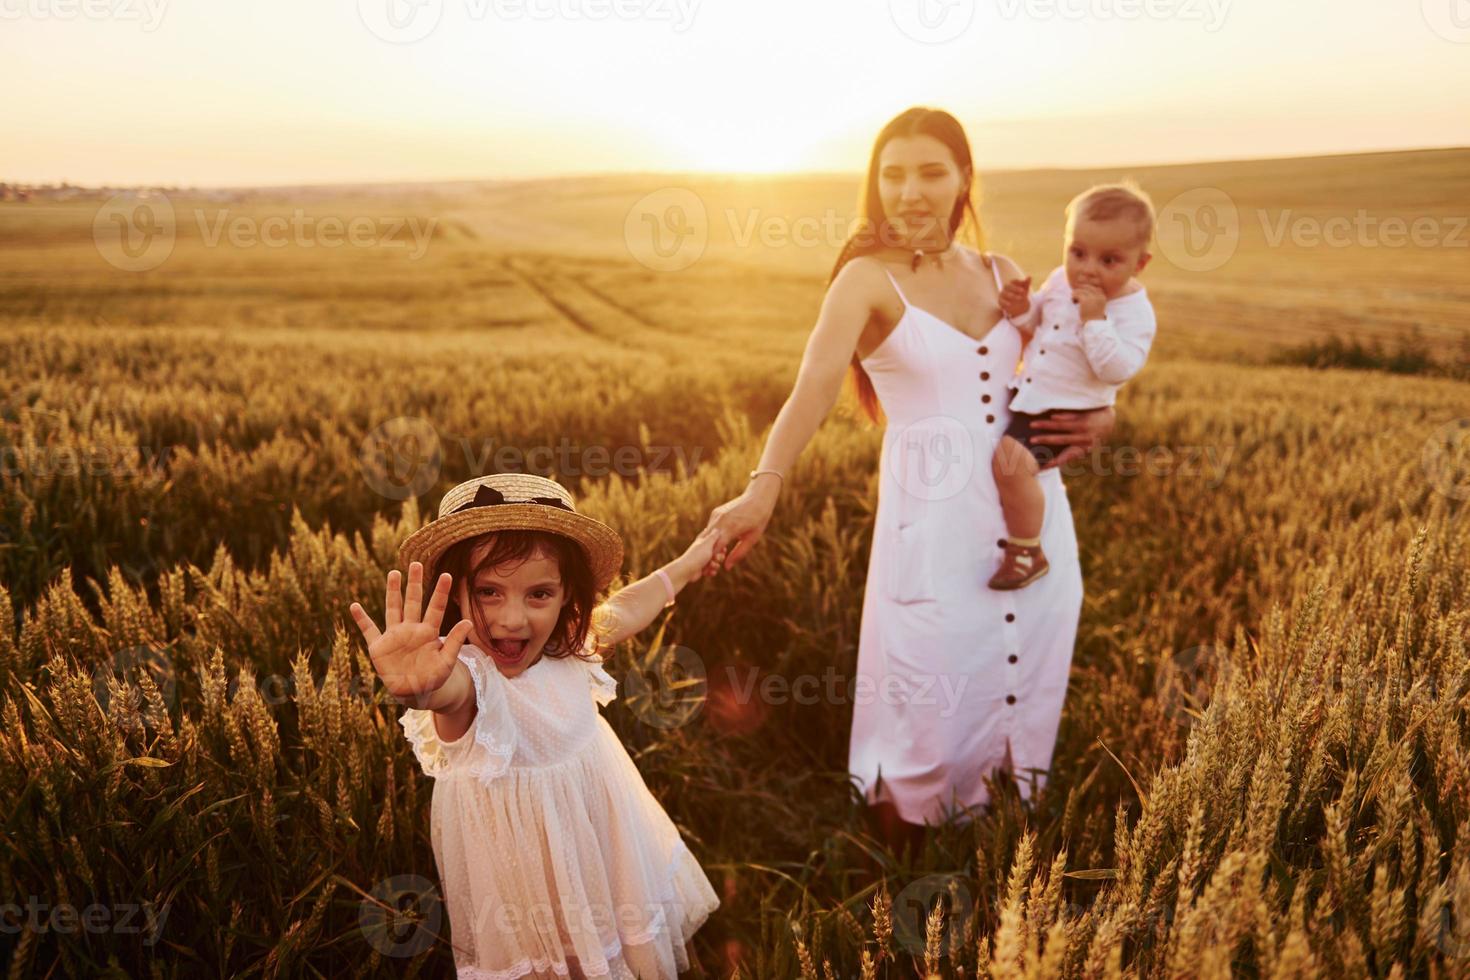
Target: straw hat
[[513, 501]]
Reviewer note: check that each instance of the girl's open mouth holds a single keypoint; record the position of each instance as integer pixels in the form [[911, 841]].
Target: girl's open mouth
[[508, 650]]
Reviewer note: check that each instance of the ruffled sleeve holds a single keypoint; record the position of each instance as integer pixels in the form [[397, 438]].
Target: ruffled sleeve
[[486, 747], [604, 687]]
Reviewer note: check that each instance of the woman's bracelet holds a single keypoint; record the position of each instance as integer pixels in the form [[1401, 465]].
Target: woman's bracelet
[[779, 476], [668, 586]]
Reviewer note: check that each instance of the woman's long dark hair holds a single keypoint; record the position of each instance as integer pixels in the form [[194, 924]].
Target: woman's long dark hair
[[873, 230]]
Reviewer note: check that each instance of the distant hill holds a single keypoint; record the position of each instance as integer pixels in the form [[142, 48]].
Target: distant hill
[[1249, 254]]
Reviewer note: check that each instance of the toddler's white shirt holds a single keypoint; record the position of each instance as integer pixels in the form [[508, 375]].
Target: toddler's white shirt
[[1074, 365]]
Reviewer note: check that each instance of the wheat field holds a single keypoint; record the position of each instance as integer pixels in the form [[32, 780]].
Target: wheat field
[[1263, 766]]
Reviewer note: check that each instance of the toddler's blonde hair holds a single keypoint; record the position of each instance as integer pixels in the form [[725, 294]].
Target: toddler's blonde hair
[[1105, 202]]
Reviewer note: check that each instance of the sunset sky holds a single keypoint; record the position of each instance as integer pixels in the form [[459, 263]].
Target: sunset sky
[[208, 92]]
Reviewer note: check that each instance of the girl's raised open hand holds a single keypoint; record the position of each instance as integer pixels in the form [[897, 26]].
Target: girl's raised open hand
[[409, 656]]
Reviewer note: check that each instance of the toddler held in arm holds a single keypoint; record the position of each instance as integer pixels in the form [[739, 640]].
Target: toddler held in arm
[[1088, 330]]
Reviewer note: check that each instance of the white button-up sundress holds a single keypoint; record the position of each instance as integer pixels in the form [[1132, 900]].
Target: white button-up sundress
[[953, 675]]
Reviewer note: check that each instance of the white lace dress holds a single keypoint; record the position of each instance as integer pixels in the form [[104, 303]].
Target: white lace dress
[[554, 858]]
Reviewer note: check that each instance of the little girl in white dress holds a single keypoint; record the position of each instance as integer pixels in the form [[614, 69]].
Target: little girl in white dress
[[554, 857]]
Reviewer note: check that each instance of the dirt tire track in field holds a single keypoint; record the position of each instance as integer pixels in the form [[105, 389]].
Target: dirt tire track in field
[[587, 309], [631, 314]]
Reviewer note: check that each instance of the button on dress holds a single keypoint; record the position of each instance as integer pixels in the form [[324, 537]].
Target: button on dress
[[554, 857], [952, 675]]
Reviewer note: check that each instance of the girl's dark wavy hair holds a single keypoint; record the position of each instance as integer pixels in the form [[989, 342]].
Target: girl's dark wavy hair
[[873, 229], [576, 619]]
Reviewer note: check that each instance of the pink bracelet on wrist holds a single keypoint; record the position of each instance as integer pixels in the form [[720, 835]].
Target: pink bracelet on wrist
[[668, 586]]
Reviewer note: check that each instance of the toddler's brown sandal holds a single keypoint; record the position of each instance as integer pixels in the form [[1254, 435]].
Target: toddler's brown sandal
[[1022, 565]]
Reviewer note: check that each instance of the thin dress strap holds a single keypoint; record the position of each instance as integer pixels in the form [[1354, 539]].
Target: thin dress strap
[[995, 268], [901, 296]]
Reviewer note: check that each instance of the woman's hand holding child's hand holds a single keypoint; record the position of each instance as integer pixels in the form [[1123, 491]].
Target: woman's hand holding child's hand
[[1015, 298], [409, 656], [700, 554]]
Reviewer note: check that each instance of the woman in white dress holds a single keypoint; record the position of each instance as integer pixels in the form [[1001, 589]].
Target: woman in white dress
[[954, 679]]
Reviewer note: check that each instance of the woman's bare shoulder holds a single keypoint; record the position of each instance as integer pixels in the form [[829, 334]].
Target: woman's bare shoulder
[[863, 278], [862, 267], [1009, 267]]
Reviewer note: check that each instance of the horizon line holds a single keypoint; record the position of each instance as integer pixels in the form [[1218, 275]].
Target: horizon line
[[747, 174]]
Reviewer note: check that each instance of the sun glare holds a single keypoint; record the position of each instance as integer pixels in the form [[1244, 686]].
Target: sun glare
[[724, 149]]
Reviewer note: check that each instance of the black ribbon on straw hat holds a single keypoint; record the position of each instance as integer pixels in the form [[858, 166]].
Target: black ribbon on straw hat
[[488, 496]]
